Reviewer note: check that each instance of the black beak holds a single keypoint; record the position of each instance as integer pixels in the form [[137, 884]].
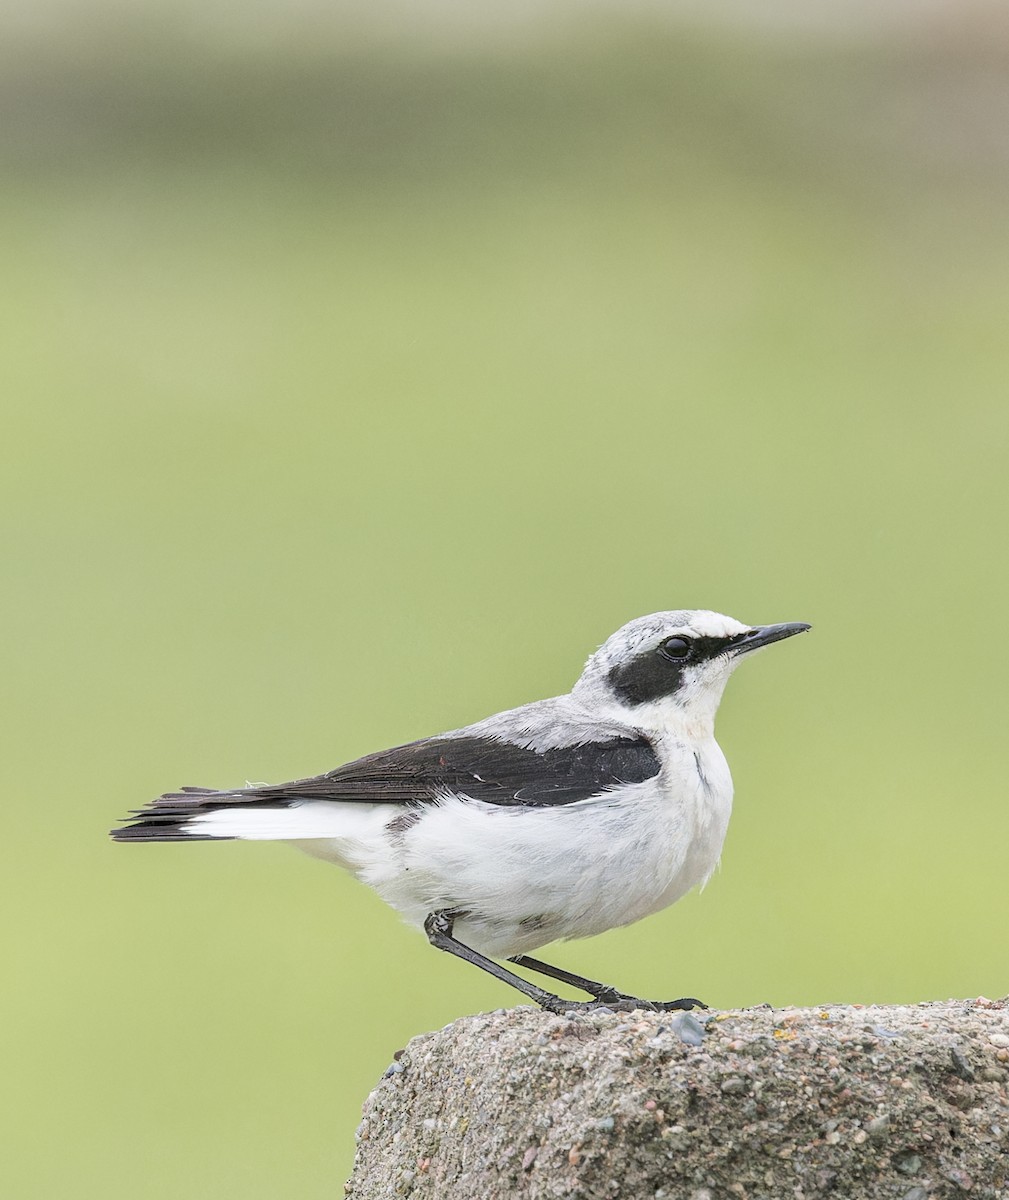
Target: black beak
[[764, 635]]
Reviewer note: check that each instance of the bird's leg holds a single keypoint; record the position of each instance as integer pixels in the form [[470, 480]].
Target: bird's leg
[[438, 928], [603, 993]]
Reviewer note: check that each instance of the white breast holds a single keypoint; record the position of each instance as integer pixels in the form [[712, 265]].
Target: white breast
[[700, 784]]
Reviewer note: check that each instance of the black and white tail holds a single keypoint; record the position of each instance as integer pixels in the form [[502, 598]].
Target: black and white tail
[[257, 814], [176, 816]]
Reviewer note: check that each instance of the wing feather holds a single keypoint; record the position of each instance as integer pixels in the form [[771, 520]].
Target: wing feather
[[478, 766]]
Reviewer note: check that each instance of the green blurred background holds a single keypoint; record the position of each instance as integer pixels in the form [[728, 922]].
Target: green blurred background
[[361, 373]]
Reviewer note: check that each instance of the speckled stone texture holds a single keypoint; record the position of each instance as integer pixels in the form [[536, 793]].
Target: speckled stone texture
[[899, 1102]]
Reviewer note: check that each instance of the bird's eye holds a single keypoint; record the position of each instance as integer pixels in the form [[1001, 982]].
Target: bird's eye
[[675, 647]]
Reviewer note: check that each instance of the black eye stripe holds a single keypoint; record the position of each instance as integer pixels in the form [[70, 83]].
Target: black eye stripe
[[655, 673]]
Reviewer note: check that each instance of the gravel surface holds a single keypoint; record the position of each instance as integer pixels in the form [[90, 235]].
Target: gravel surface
[[907, 1102]]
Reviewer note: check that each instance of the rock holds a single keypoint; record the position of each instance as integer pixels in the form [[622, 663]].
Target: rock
[[890, 1102], [878, 1128]]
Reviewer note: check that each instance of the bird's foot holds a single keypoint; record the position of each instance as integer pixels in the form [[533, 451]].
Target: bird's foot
[[620, 1002], [610, 997]]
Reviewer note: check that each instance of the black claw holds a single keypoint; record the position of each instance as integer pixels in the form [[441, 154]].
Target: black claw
[[559, 1007], [684, 1005], [610, 995]]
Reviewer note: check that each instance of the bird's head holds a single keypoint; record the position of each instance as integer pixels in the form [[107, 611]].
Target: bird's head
[[668, 670]]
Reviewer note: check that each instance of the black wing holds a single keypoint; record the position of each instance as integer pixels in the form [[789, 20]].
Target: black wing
[[482, 768]]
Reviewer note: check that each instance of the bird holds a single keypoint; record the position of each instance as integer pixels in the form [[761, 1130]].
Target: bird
[[557, 820]]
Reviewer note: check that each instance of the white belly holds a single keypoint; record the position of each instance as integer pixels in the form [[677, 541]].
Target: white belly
[[528, 876]]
